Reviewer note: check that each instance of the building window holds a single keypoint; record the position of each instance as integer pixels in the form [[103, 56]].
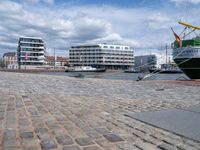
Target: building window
[[117, 47]]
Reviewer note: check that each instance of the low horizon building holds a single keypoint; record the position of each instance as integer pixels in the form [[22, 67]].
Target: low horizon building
[[57, 61], [31, 53], [145, 62], [107, 56], [10, 60]]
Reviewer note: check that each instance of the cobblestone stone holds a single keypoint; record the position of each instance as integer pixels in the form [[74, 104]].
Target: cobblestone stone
[[30, 143], [43, 136], [94, 135], [41, 130], [26, 134], [152, 140], [113, 138], [9, 134], [84, 141], [71, 148], [91, 148], [145, 146], [166, 146], [186, 147], [102, 130], [104, 143], [64, 140], [127, 146], [11, 143], [48, 144], [11, 148]]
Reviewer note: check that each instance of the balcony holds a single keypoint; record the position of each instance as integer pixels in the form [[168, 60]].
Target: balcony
[[40, 47], [40, 61], [33, 51], [31, 42], [29, 56], [41, 57]]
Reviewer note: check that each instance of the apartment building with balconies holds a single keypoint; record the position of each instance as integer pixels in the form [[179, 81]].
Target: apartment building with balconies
[[102, 56], [31, 52]]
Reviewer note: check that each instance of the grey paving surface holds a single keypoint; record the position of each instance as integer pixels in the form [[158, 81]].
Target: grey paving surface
[[182, 122], [195, 109], [54, 112]]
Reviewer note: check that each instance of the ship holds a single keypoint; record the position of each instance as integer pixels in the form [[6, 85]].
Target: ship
[[131, 70], [186, 51], [166, 69], [85, 69]]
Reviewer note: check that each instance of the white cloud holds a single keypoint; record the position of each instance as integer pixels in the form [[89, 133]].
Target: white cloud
[[158, 21], [50, 2], [186, 1], [6, 6]]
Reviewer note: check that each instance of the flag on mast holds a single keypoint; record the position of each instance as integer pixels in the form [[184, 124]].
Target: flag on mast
[[177, 37]]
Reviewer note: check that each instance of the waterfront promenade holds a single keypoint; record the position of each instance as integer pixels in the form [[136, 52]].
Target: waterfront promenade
[[59, 112]]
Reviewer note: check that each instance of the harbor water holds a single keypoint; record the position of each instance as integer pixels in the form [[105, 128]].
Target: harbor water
[[119, 75]]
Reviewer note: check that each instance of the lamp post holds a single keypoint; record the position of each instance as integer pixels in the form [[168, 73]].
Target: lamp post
[[54, 59]]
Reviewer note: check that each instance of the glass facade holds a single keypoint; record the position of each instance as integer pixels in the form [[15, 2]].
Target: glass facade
[[146, 61]]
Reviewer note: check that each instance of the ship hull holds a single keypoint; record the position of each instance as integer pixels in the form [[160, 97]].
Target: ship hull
[[191, 67], [98, 70], [165, 71]]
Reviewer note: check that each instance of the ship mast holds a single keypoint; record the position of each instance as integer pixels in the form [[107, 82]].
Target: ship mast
[[191, 27], [166, 54]]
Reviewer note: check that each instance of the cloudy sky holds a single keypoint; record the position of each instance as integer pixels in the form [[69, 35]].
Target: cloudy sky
[[142, 24]]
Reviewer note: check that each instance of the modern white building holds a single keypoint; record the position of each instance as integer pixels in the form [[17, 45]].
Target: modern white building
[[145, 62], [31, 53], [102, 56]]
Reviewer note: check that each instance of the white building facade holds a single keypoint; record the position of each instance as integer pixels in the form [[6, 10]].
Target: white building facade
[[102, 56], [31, 53]]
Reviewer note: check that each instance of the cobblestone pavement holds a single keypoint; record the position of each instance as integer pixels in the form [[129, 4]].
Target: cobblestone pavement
[[54, 112]]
